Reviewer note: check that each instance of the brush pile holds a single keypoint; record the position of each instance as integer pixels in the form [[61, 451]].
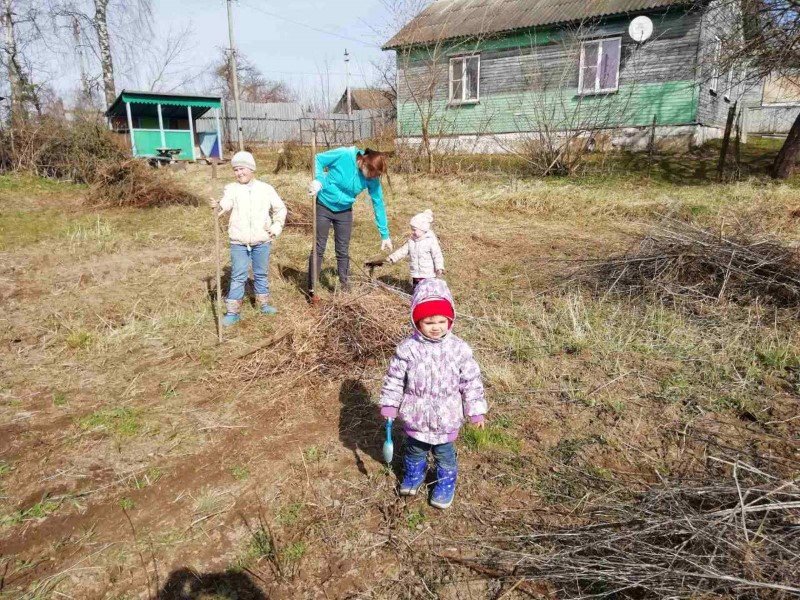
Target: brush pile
[[677, 260], [132, 183], [300, 214], [737, 537], [353, 331], [359, 330], [86, 152]]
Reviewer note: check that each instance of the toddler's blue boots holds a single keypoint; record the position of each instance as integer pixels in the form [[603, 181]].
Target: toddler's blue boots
[[445, 489], [413, 476]]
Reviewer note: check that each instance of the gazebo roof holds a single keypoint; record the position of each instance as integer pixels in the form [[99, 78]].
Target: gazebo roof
[[145, 102]]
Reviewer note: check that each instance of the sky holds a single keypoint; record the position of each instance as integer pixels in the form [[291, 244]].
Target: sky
[[297, 41]]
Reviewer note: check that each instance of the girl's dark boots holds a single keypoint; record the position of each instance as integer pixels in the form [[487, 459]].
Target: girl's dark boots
[[414, 470], [445, 488]]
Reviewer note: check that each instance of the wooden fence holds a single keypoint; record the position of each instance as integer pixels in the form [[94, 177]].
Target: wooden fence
[[277, 123]]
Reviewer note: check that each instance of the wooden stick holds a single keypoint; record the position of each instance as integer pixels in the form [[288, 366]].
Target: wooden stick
[[219, 274], [521, 583], [312, 278]]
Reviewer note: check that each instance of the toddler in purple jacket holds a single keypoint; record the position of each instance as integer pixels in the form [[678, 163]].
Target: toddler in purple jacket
[[433, 384]]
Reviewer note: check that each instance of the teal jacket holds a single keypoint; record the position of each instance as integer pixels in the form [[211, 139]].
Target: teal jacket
[[343, 181]]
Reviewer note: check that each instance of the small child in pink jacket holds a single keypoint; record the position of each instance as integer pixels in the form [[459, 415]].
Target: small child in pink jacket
[[422, 249], [433, 384]]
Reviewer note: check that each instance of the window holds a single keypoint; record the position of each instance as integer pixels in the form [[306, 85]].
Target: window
[[465, 75], [781, 90], [717, 56], [599, 71]]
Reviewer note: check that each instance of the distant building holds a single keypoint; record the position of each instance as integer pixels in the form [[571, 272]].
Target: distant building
[[366, 99]]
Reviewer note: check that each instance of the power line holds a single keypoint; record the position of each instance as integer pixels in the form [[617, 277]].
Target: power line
[[301, 24]]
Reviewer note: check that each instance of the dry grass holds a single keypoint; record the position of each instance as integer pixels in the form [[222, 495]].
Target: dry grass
[[115, 376]]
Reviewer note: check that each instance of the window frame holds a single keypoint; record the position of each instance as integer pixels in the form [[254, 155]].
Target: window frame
[[779, 104], [715, 72], [582, 67], [464, 58]]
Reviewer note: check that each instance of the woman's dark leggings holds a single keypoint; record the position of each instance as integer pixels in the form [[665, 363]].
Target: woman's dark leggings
[[342, 223]]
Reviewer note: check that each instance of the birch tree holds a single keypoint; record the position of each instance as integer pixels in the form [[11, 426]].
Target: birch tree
[[22, 91], [118, 27]]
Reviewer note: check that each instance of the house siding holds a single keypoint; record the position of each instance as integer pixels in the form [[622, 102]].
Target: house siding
[[532, 78], [712, 110]]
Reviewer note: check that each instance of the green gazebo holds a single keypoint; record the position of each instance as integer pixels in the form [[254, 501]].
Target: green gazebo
[[164, 125]]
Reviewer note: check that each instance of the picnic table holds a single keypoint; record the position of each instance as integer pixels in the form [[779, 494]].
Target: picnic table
[[165, 156]]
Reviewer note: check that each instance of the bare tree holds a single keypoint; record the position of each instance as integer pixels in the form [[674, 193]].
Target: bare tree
[[165, 63], [765, 43], [24, 92], [253, 86], [120, 28]]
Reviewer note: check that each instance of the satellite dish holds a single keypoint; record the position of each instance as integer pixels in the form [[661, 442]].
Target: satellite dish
[[641, 28]]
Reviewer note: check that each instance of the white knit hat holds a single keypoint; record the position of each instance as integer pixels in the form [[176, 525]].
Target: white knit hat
[[423, 220], [243, 159]]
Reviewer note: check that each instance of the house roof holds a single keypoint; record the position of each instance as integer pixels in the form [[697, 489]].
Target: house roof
[[365, 99], [201, 103], [446, 19]]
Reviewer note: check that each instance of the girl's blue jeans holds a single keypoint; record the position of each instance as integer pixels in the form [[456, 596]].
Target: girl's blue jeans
[[444, 455], [241, 259]]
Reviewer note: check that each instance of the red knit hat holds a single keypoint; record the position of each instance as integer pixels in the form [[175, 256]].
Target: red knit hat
[[433, 308]]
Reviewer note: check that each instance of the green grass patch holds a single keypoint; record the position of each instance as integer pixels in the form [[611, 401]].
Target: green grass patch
[[120, 422], [289, 515], [415, 519], [80, 339], [59, 399], [240, 472], [491, 437], [40, 510]]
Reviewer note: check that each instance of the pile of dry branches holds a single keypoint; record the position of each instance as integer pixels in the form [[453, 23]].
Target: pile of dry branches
[[351, 331], [360, 330], [737, 537], [679, 260], [300, 214], [85, 151], [132, 183]]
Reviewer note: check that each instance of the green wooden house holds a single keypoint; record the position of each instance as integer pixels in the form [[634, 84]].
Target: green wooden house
[[479, 75], [160, 124]]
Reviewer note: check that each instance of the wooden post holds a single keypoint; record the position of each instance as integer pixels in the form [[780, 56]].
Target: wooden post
[[218, 253], [744, 116], [130, 127], [651, 144], [313, 275], [161, 126], [726, 140], [219, 135], [191, 130], [737, 145]]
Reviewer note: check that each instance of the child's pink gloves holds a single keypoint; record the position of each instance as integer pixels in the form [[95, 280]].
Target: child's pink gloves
[[389, 412]]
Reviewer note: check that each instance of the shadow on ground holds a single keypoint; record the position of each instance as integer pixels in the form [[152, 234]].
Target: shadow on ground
[[361, 426], [327, 278], [187, 584], [404, 285]]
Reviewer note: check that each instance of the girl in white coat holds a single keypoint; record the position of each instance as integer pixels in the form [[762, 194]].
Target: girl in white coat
[[257, 218], [422, 249]]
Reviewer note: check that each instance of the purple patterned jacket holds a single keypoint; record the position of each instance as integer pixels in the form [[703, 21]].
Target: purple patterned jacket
[[432, 385]]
